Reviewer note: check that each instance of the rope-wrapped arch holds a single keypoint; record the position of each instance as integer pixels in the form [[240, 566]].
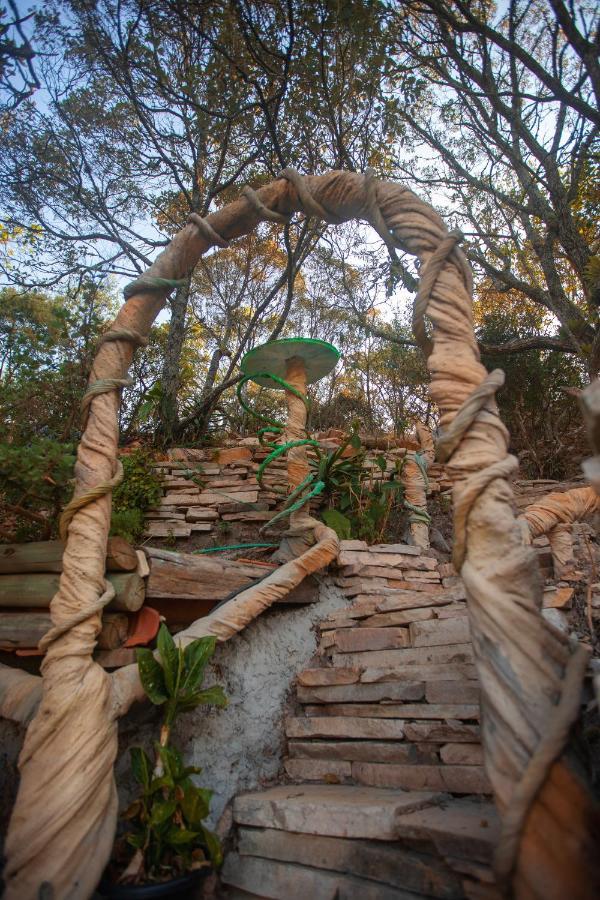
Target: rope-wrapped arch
[[64, 819]]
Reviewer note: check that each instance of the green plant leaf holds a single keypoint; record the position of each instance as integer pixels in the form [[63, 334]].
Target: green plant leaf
[[175, 836], [214, 696], [195, 805], [380, 460], [339, 522], [355, 441], [161, 811], [169, 657], [196, 656], [213, 845], [141, 766], [171, 760], [151, 676]]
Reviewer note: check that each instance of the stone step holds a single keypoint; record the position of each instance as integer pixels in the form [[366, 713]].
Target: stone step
[[460, 711], [391, 864], [332, 810], [373, 751], [469, 779], [455, 779], [275, 880], [390, 659], [345, 727]]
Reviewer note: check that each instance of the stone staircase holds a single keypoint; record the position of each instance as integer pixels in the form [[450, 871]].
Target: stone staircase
[[389, 797]]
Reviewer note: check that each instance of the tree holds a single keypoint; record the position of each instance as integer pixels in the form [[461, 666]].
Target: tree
[[507, 124], [156, 109], [18, 78]]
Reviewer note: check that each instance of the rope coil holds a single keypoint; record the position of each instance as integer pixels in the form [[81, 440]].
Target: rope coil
[[207, 231]]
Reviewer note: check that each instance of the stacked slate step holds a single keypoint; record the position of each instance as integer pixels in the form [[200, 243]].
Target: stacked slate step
[[347, 842], [204, 487], [395, 701], [388, 797]]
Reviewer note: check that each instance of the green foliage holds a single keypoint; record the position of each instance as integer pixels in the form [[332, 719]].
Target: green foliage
[[36, 484], [127, 523], [140, 489], [360, 505], [166, 820]]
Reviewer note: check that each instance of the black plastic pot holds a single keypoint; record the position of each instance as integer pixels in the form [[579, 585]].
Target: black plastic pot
[[183, 888]]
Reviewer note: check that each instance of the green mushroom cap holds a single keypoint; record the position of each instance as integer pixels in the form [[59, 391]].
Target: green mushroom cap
[[272, 358]]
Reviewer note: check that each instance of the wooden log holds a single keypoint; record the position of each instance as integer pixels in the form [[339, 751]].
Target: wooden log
[[36, 591], [46, 556], [197, 577], [26, 628]]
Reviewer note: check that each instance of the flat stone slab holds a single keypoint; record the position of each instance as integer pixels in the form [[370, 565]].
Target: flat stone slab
[[444, 711], [421, 656], [440, 632], [345, 727], [389, 863], [369, 751], [428, 673], [363, 693], [333, 810], [359, 639], [267, 878], [455, 779], [463, 828], [322, 677]]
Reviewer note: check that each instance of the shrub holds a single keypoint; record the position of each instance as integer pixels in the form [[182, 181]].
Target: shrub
[[36, 484], [140, 489]]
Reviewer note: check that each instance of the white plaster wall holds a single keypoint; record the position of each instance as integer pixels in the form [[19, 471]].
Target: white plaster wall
[[241, 747]]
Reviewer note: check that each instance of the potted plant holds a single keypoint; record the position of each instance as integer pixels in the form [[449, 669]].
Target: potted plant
[[166, 849]]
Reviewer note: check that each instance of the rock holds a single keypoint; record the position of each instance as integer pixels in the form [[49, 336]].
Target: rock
[[457, 653], [233, 454], [327, 770], [351, 640], [345, 727], [462, 828], [439, 542], [333, 810], [558, 598], [452, 672], [314, 677], [462, 754], [439, 633], [456, 779], [557, 618], [389, 863], [210, 498], [167, 528], [365, 751], [266, 878], [199, 514], [402, 617], [453, 692], [441, 732], [178, 498], [363, 559], [362, 693], [398, 710], [397, 600]]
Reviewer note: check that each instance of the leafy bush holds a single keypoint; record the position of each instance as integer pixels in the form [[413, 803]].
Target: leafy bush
[[127, 523], [36, 484], [166, 821], [360, 506], [140, 490]]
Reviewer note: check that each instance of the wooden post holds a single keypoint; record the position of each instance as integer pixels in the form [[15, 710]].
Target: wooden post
[[297, 460]]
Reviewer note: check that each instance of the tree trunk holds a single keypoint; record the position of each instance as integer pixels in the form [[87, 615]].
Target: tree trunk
[[171, 367]]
